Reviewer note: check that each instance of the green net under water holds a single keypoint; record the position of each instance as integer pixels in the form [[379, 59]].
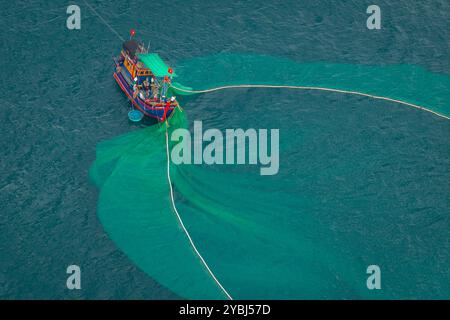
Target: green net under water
[[134, 208], [401, 82], [239, 223]]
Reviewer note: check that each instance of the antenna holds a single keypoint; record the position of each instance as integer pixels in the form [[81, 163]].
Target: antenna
[[132, 33], [148, 47]]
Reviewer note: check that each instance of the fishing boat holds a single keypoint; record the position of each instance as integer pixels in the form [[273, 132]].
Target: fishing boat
[[145, 79]]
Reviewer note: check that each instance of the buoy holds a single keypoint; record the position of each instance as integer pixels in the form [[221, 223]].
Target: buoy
[[135, 115]]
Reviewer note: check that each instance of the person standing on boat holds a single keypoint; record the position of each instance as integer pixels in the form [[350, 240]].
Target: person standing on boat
[[135, 87], [155, 88], [146, 85]]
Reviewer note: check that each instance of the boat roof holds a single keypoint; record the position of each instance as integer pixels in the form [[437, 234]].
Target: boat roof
[[154, 62], [131, 47]]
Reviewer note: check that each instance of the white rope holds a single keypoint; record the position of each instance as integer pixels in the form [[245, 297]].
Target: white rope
[[313, 88], [265, 86], [279, 86], [182, 224], [104, 21]]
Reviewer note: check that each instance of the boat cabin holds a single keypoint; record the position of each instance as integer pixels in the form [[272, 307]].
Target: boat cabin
[[129, 56]]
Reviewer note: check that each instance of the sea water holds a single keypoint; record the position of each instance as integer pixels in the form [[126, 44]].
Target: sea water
[[361, 182]]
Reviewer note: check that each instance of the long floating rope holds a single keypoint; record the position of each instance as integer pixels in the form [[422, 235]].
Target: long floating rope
[[182, 224], [267, 86], [278, 87], [313, 88]]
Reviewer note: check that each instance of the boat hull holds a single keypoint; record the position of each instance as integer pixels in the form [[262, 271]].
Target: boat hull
[[157, 112]]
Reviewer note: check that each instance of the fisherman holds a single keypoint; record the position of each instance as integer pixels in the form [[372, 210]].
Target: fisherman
[[135, 88], [146, 84], [154, 87], [146, 87]]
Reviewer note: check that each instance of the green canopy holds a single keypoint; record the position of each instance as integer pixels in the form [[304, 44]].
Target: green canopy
[[154, 62]]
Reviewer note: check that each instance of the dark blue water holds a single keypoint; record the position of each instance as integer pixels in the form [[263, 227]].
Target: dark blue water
[[59, 100]]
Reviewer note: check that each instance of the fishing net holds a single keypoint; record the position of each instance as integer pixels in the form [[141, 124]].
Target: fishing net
[[260, 238], [134, 208]]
